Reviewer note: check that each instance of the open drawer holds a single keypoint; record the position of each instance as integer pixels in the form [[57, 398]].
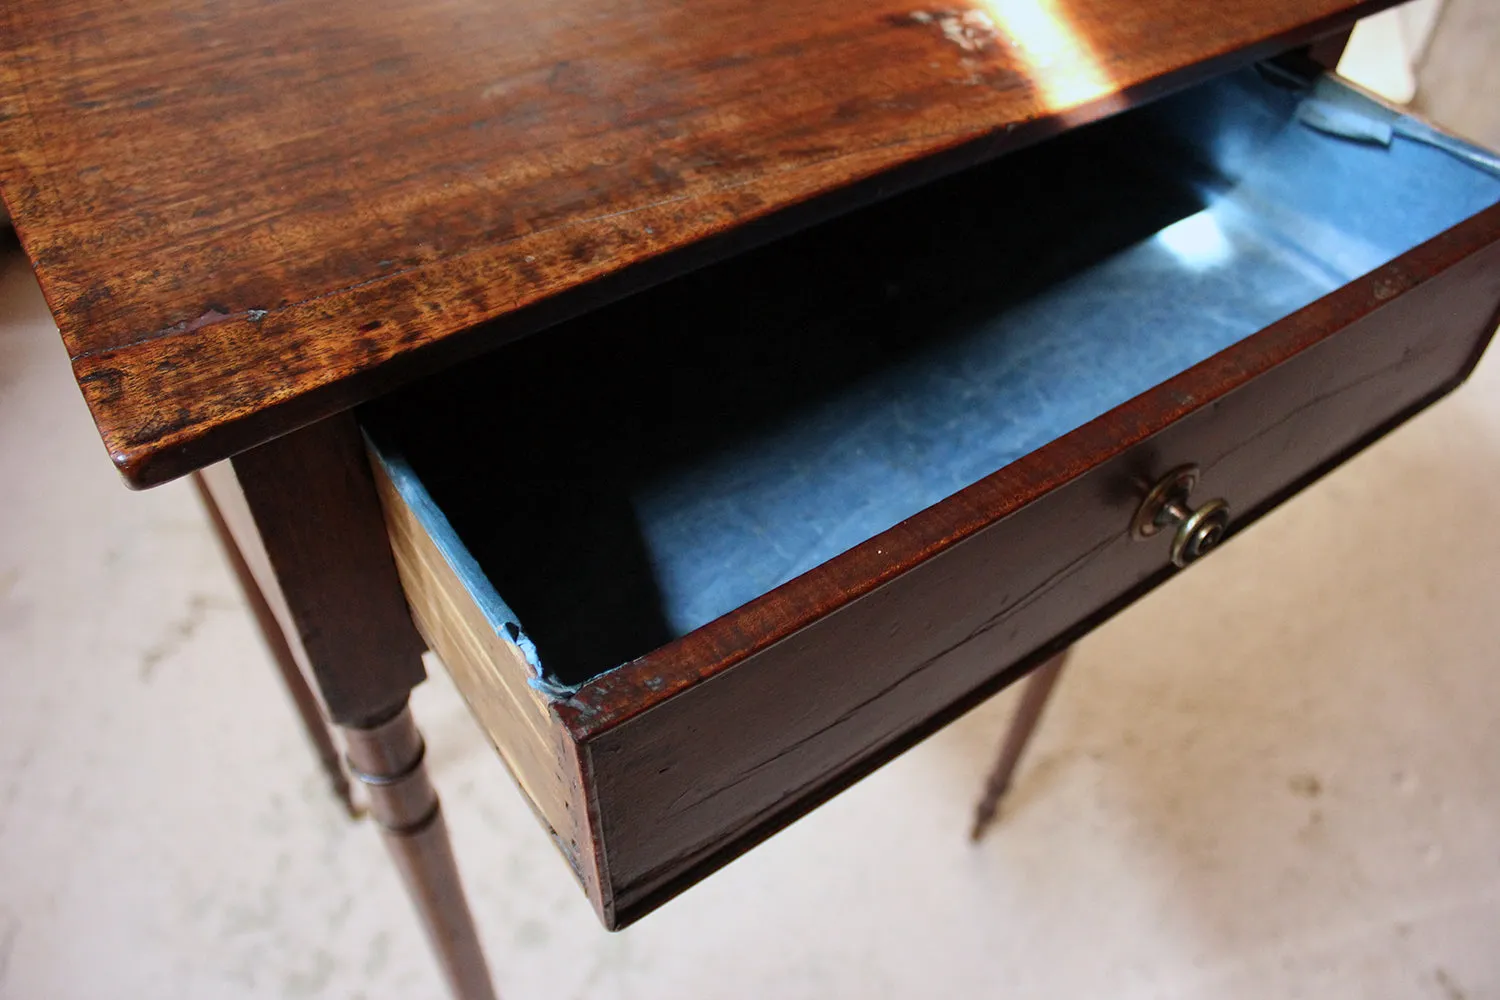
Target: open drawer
[[703, 558]]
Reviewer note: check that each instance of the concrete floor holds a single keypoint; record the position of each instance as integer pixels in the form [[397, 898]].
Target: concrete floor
[[1278, 776]]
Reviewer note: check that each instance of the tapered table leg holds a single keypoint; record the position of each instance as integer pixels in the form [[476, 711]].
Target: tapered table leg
[[1033, 700], [387, 758], [313, 722]]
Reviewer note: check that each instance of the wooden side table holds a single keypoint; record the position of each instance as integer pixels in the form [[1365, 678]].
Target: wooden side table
[[828, 421]]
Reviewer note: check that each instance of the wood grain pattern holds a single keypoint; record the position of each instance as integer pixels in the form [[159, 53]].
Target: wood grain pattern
[[247, 216]]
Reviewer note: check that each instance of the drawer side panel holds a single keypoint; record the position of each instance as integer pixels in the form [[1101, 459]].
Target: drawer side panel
[[491, 674]]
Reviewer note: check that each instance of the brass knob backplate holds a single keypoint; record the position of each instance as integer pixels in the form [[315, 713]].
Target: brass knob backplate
[[1196, 531]]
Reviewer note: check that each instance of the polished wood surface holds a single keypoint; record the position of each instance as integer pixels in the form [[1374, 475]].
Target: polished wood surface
[[247, 215]]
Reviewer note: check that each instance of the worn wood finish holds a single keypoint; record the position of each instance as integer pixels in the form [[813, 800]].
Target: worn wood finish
[[492, 676], [327, 565], [246, 217]]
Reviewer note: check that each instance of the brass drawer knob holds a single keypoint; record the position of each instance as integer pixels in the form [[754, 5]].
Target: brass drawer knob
[[1165, 506]]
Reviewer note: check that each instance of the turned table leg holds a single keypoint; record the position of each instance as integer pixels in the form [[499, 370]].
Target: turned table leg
[[1038, 688], [388, 759], [305, 521]]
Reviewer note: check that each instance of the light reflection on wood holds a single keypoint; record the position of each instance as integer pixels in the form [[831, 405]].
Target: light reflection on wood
[[1061, 65]]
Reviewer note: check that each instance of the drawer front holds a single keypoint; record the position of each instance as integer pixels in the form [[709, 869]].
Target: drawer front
[[681, 784]]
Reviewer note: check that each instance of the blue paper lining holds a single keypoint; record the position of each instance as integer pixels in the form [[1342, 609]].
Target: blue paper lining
[[1241, 216]]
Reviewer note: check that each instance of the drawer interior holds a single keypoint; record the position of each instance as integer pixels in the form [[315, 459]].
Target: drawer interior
[[627, 477]]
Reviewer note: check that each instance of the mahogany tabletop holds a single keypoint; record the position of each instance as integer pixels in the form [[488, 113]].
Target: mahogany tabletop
[[248, 215]]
